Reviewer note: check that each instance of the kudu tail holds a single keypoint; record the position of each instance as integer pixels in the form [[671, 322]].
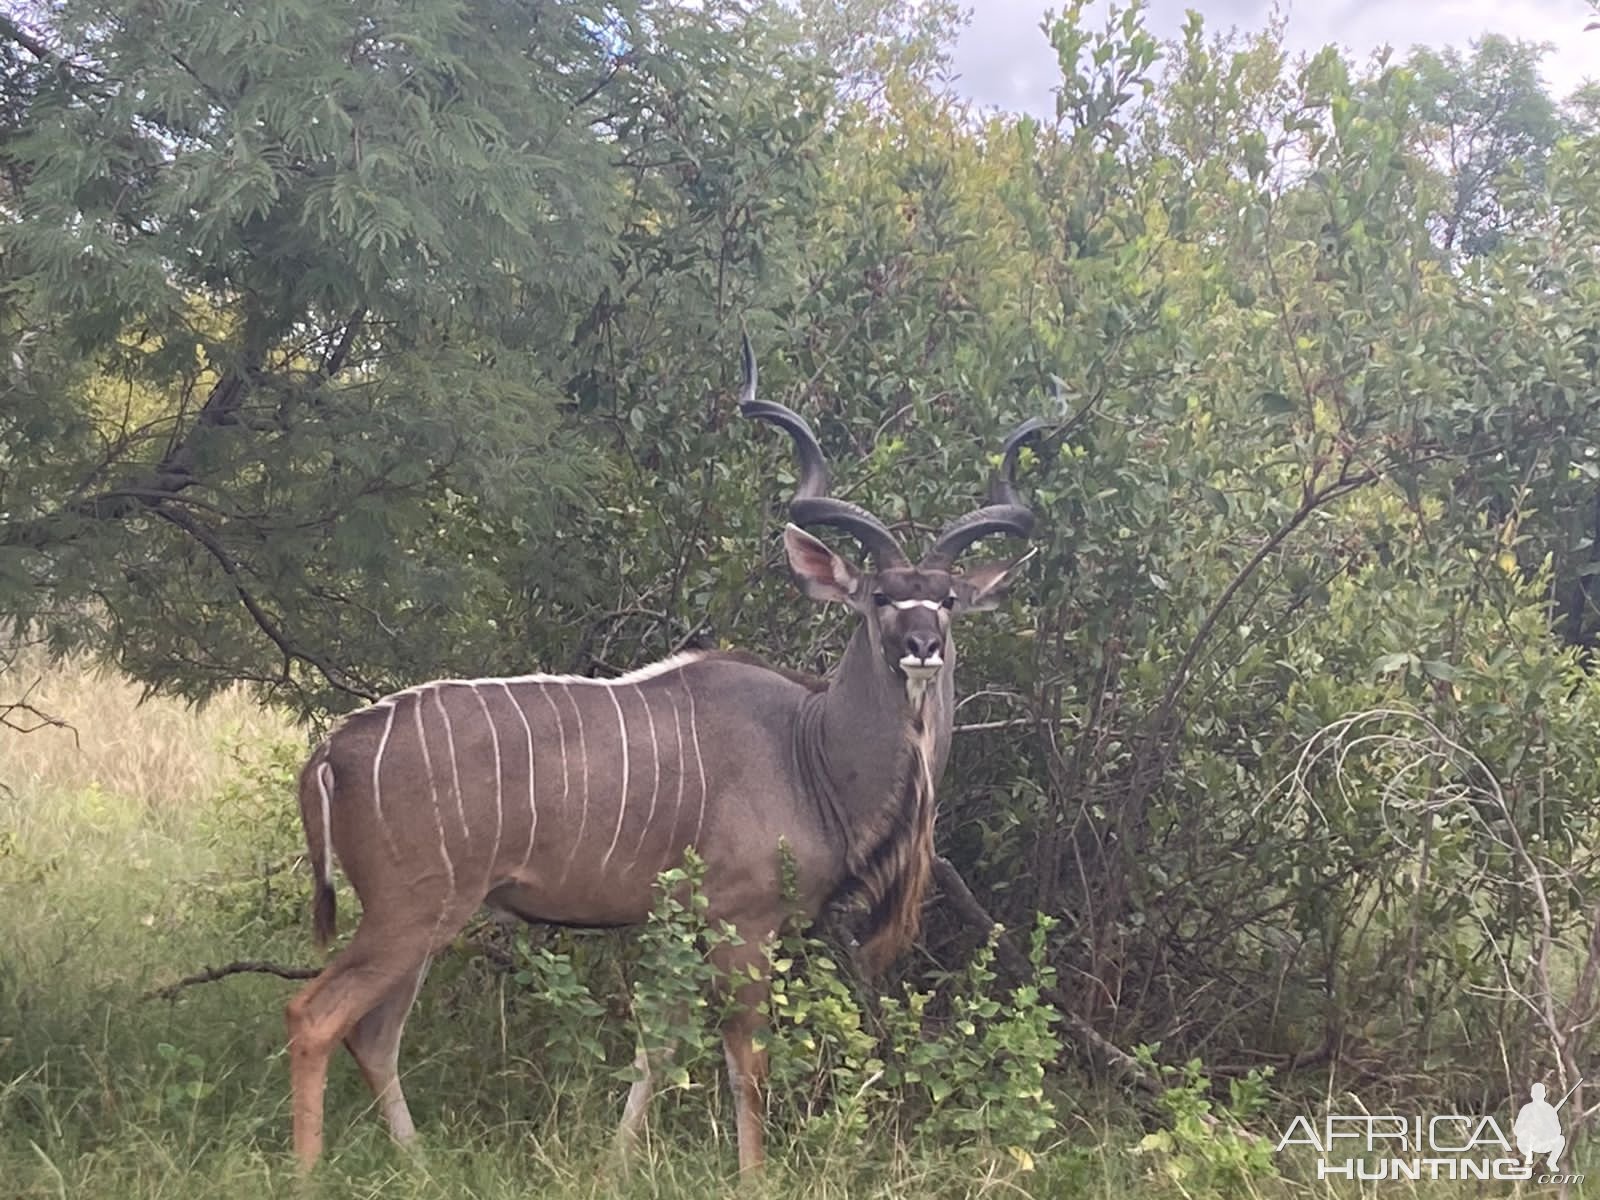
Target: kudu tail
[[316, 797]]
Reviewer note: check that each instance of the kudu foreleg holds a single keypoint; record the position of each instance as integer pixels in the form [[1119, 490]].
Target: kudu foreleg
[[635, 1113], [747, 1065]]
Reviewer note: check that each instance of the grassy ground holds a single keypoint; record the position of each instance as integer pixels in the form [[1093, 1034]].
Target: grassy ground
[[155, 846]]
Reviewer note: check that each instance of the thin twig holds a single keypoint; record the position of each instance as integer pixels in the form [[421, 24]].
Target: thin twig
[[1011, 723], [40, 718], [240, 967], [265, 623]]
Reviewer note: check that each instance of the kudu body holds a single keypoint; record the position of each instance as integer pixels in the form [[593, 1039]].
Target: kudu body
[[561, 799]]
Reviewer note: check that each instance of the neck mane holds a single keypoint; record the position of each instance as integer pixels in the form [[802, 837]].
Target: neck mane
[[876, 759]]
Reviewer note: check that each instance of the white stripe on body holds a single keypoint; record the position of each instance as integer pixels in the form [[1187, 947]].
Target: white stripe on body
[[622, 804], [583, 777], [561, 731], [455, 773], [683, 764], [533, 811], [438, 820], [377, 785], [700, 766], [499, 787], [655, 782]]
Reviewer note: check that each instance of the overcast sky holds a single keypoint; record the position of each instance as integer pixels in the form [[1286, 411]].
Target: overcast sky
[[1003, 60]]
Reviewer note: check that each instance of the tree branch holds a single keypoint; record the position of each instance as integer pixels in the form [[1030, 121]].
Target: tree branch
[[9, 716], [16, 33], [241, 967], [259, 615], [1308, 506], [604, 82], [68, 72], [335, 360], [171, 475]]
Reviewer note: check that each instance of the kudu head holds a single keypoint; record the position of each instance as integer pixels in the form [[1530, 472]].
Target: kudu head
[[907, 608]]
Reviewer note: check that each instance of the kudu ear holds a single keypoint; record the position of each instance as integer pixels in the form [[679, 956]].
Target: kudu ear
[[823, 575], [982, 587]]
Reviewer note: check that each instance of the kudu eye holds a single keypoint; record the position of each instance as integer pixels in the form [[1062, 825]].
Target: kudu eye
[[880, 599], [949, 601]]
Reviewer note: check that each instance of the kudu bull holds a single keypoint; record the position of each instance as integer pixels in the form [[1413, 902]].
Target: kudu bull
[[561, 799]]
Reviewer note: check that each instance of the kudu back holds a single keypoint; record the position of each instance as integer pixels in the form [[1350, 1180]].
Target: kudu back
[[561, 799]]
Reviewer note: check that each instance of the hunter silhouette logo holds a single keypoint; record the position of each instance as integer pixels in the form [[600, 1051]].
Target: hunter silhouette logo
[[1538, 1127], [1372, 1147]]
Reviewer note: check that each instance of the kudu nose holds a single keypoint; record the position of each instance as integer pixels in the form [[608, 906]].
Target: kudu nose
[[922, 645]]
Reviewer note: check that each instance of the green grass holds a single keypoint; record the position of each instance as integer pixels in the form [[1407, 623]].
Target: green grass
[[129, 860], [152, 850], [103, 1093]]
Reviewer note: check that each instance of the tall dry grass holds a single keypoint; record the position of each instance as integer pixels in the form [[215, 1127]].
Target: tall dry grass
[[159, 753]]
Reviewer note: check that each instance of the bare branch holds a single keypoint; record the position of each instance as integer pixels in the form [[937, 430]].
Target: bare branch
[[21, 716], [241, 967], [621, 61], [259, 615], [1012, 723], [336, 358]]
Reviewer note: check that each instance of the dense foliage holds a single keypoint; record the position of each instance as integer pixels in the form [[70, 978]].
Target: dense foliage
[[362, 342]]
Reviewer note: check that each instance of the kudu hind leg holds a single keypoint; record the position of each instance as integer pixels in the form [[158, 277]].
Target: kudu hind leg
[[323, 1013], [630, 1133], [375, 1045], [636, 1111]]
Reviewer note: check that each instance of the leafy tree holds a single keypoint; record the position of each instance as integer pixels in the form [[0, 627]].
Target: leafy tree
[[1488, 114], [292, 297], [1301, 468]]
